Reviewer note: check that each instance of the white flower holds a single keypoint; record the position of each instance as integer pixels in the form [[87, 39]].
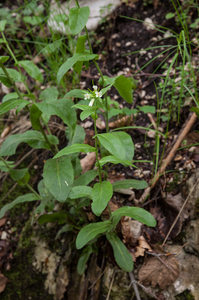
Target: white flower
[[87, 96], [91, 102], [98, 94], [95, 87]]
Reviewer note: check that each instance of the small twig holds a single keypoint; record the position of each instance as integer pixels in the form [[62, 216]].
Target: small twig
[[134, 283], [8, 193], [107, 298], [169, 158], [147, 290], [176, 219]]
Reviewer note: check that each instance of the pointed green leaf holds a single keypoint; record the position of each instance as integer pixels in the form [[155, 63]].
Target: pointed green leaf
[[147, 109], [101, 194], [20, 199], [3, 166], [10, 104], [34, 139], [136, 213], [34, 20], [18, 174], [76, 93], [80, 191], [127, 143], [49, 95], [80, 48], [121, 254], [35, 115], [71, 61], [4, 58], [58, 177], [85, 178], [90, 231], [87, 112], [15, 76], [10, 96], [124, 87], [114, 160], [81, 266], [74, 149], [78, 18], [32, 69], [113, 144], [130, 183], [2, 25], [54, 217]]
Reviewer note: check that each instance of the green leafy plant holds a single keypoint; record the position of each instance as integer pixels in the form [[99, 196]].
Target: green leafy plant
[[62, 179]]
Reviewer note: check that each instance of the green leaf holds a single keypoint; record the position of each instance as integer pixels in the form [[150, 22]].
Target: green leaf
[[136, 213], [78, 18], [2, 25], [128, 111], [81, 266], [35, 115], [15, 76], [3, 166], [74, 149], [44, 191], [90, 231], [49, 95], [51, 47], [80, 191], [130, 183], [114, 160], [101, 194], [34, 139], [20, 199], [87, 112], [85, 178], [147, 109], [71, 61], [22, 105], [169, 15], [121, 254], [113, 144], [34, 20], [124, 87], [32, 69], [76, 93], [3, 58], [195, 109], [78, 137], [54, 217], [10, 96], [80, 48], [18, 174], [58, 177], [127, 143], [10, 104], [81, 106], [49, 109]]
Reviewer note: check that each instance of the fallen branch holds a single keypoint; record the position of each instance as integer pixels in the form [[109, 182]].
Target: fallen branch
[[169, 158]]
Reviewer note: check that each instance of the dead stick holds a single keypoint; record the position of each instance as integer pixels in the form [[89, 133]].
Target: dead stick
[[169, 158]]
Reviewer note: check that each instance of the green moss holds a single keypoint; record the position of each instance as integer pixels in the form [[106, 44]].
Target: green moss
[[24, 281], [185, 296]]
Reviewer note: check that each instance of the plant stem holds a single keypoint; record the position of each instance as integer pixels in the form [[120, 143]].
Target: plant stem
[[4, 161], [99, 168], [14, 58], [32, 190]]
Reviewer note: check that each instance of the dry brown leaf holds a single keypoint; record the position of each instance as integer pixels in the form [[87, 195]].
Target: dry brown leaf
[[131, 230], [176, 202], [3, 281], [139, 251], [3, 221], [89, 138], [143, 243], [112, 206], [155, 272], [190, 138], [87, 162], [6, 131]]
